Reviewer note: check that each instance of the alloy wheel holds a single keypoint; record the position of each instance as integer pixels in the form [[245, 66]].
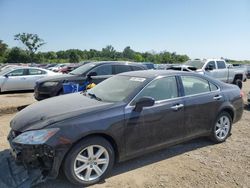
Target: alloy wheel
[[91, 162], [222, 127]]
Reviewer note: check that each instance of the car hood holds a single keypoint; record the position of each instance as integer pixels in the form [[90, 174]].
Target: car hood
[[50, 111], [57, 78]]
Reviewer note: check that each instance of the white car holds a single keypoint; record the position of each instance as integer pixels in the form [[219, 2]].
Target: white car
[[21, 78]]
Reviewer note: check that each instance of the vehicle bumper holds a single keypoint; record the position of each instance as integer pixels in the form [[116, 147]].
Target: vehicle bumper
[[44, 157], [41, 93]]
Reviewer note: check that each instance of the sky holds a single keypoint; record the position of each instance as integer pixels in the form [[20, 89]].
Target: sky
[[197, 28]]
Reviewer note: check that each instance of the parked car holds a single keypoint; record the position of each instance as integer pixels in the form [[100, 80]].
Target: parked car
[[248, 71], [57, 67], [216, 68], [149, 65], [71, 67], [96, 71], [125, 116], [248, 99], [21, 78]]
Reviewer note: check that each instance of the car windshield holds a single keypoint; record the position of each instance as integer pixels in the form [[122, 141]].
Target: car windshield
[[82, 69], [116, 88], [7, 70], [197, 63]]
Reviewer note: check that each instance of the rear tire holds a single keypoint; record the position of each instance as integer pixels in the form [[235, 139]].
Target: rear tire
[[222, 128], [89, 161], [238, 82]]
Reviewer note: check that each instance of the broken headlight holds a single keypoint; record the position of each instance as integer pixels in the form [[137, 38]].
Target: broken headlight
[[35, 137]]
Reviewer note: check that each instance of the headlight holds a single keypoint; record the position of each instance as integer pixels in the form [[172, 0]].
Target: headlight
[[35, 137], [49, 84]]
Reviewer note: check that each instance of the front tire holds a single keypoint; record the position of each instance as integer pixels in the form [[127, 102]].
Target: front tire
[[89, 161], [222, 128]]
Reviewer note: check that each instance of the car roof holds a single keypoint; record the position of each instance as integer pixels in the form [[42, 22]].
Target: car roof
[[155, 73], [117, 63]]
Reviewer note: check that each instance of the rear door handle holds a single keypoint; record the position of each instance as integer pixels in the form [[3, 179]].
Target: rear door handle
[[217, 97], [177, 107]]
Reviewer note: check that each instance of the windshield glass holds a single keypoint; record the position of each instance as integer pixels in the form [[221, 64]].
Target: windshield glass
[[82, 69], [197, 64], [116, 88], [3, 72]]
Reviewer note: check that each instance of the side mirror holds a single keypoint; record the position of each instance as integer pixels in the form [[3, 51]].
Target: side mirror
[[209, 68], [144, 102], [91, 74]]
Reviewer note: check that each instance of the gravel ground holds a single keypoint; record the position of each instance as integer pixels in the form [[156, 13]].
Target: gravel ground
[[198, 163]]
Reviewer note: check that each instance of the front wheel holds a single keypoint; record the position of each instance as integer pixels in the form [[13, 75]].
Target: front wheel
[[222, 128], [89, 161]]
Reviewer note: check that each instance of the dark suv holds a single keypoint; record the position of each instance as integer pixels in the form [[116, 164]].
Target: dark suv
[[96, 71]]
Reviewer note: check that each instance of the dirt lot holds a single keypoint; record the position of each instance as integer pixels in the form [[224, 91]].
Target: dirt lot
[[198, 163]]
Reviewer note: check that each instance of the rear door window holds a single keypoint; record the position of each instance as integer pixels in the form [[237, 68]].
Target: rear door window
[[194, 85], [36, 72], [135, 68], [103, 70], [221, 65], [121, 68]]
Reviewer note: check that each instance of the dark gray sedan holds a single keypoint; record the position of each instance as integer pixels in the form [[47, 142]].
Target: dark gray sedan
[[124, 116]]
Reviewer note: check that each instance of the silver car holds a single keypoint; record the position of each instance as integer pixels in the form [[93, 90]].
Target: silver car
[[21, 78]]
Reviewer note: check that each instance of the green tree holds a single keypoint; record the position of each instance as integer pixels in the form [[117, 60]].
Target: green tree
[[32, 42], [3, 48], [128, 53], [138, 57], [108, 52], [74, 57], [17, 55]]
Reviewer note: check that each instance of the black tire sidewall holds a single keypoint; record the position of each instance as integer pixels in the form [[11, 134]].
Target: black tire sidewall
[[70, 158], [214, 137]]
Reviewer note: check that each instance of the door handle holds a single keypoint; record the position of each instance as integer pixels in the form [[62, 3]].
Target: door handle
[[177, 107], [217, 97]]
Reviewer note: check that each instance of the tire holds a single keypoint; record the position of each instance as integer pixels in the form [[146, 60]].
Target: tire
[[222, 128], [238, 82], [81, 169]]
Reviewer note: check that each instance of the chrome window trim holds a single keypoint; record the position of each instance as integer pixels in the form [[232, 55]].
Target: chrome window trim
[[182, 97]]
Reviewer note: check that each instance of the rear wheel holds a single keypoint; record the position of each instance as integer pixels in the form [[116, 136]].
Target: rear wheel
[[222, 128], [89, 161], [238, 82]]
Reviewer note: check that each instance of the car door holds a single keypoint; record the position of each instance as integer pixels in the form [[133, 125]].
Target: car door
[[159, 124], [15, 80], [33, 76], [222, 71], [202, 100]]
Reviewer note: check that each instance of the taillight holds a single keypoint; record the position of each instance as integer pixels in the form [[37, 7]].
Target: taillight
[[241, 94]]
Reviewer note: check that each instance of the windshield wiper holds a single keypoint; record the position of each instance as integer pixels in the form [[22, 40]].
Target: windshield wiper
[[94, 96]]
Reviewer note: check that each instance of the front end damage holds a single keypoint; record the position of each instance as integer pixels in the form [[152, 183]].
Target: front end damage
[[42, 159]]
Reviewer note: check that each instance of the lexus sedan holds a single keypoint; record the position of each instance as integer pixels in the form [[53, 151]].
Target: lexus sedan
[[21, 78], [125, 116]]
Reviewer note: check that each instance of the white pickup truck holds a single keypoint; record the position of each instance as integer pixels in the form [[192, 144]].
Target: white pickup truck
[[216, 68]]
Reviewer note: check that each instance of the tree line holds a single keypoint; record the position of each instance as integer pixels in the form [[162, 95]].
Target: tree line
[[32, 42]]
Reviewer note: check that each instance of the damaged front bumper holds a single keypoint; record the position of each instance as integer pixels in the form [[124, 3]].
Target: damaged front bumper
[[44, 157]]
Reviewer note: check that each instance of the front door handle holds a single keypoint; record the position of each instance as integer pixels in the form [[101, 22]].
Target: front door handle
[[177, 107], [217, 97]]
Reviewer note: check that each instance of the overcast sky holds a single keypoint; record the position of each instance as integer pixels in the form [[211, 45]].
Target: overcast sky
[[198, 28]]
